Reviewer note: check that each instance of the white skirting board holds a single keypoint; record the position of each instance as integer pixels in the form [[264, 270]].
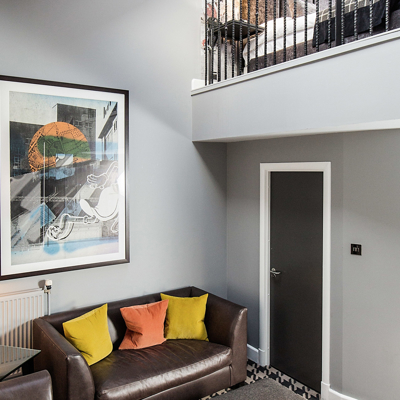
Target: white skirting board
[[326, 392], [329, 394], [252, 354]]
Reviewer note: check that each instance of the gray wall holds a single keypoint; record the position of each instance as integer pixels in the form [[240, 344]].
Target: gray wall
[[365, 350], [177, 189]]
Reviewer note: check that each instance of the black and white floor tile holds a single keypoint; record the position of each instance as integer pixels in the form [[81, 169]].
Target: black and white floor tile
[[256, 372]]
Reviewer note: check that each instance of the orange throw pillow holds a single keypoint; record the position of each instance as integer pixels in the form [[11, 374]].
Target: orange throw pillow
[[145, 325]]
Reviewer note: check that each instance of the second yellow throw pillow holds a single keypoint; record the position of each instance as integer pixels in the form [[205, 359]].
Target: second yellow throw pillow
[[185, 317], [89, 334]]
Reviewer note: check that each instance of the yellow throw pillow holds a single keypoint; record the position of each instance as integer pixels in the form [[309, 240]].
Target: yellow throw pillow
[[89, 334], [185, 317]]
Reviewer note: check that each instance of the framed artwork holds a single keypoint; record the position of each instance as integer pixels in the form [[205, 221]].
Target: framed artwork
[[63, 158]]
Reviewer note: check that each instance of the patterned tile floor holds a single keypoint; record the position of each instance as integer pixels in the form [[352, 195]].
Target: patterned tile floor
[[256, 372]]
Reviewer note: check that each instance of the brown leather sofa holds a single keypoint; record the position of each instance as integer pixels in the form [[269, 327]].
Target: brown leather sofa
[[36, 386], [174, 370]]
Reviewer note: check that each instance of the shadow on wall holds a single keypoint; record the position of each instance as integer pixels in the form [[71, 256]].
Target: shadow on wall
[[214, 156]]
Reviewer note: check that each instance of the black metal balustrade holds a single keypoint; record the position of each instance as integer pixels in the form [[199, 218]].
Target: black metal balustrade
[[297, 28]]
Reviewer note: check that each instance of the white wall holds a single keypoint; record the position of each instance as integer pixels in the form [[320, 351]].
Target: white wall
[[177, 189], [347, 88], [365, 350]]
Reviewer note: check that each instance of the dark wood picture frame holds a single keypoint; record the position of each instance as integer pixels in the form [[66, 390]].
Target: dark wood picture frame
[[63, 177]]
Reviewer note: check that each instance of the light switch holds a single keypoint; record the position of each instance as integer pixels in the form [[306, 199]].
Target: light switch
[[356, 249]]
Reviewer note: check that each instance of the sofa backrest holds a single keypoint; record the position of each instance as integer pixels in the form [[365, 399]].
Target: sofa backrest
[[116, 323]]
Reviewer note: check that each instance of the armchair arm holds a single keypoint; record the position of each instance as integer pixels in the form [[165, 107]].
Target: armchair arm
[[70, 373], [36, 386], [226, 324]]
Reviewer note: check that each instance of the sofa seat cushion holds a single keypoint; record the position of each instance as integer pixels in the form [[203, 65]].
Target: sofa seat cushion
[[137, 374]]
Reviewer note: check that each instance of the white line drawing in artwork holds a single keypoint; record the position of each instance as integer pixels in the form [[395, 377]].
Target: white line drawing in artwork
[[105, 210]]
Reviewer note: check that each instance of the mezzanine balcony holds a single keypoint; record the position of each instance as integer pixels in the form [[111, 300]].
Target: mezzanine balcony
[[318, 89]]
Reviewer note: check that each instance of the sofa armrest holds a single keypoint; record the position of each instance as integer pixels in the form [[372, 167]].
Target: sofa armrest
[[70, 373], [36, 386], [226, 324]]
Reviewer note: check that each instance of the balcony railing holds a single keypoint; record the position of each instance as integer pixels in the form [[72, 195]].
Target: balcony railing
[[243, 36]]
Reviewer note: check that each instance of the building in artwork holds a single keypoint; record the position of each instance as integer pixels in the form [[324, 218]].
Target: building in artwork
[[21, 135], [109, 135]]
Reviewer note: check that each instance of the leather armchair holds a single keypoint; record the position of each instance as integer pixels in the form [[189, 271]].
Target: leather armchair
[[36, 386]]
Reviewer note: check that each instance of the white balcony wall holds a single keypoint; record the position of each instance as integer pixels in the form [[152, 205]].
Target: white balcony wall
[[353, 87]]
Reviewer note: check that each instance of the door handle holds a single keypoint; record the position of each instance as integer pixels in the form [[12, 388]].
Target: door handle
[[274, 272]]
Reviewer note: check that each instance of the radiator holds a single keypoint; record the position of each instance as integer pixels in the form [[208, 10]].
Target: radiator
[[17, 311]]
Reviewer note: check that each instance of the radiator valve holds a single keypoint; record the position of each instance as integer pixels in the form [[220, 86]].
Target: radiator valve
[[47, 289], [47, 285]]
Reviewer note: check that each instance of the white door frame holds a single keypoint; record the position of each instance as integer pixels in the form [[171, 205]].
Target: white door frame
[[265, 173]]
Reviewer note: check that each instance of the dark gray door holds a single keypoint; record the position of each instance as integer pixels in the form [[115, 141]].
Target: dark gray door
[[296, 293]]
